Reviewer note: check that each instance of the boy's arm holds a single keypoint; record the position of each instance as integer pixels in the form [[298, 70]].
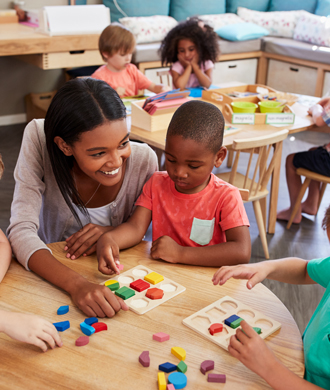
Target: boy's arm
[[5, 255], [236, 250], [158, 88]]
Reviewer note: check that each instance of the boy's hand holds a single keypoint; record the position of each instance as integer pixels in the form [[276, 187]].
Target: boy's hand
[[255, 273], [32, 330], [251, 350], [165, 248], [108, 255], [96, 300], [84, 241]]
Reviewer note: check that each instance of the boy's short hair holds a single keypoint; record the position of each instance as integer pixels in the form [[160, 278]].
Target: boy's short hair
[[115, 38], [200, 121], [2, 167], [326, 219]]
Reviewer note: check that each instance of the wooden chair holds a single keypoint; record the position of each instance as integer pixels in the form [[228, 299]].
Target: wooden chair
[[165, 73], [264, 166], [309, 175]]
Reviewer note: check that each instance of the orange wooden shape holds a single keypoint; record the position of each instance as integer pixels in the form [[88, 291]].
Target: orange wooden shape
[[155, 293], [215, 328]]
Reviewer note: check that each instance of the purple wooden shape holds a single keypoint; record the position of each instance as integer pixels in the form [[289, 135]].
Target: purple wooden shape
[[219, 378], [207, 365], [144, 359]]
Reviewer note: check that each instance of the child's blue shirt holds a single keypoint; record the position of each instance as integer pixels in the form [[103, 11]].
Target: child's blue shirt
[[317, 333]]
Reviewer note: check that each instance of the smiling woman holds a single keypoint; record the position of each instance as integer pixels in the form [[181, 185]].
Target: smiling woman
[[79, 156]]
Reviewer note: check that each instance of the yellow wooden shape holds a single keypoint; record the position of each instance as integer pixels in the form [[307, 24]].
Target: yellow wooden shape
[[179, 352], [109, 282], [161, 381], [154, 278]]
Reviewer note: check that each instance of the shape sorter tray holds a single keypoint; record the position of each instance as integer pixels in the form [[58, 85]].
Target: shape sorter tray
[[220, 310], [139, 303]]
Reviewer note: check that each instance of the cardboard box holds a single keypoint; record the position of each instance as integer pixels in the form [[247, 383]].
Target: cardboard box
[[8, 16], [37, 104]]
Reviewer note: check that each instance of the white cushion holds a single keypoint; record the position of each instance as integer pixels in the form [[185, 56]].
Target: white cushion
[[149, 28], [313, 29], [219, 20], [278, 23]]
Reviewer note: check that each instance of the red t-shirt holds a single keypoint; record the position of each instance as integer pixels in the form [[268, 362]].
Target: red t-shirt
[[192, 219]]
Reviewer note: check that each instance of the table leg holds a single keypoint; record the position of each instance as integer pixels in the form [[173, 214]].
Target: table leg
[[273, 198]]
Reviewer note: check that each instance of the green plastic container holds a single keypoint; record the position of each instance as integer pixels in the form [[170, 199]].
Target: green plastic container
[[244, 107], [270, 107]]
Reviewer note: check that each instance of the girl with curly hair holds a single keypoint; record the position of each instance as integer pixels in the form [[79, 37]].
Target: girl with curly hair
[[191, 48]]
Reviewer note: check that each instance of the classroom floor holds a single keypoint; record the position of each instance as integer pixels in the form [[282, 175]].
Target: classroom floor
[[307, 241]]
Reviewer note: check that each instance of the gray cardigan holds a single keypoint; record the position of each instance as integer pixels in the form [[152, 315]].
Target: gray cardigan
[[39, 214]]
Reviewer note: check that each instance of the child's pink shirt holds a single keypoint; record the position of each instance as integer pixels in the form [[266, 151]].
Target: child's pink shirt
[[131, 79], [192, 219], [193, 80]]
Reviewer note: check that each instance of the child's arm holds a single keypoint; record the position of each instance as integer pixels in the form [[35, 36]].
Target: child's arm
[[316, 112], [124, 236], [289, 270], [251, 350], [236, 250], [158, 88], [180, 81], [205, 79], [5, 255], [29, 329]]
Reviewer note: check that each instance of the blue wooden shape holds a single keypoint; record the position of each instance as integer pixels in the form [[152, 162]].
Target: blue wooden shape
[[91, 320], [62, 326], [231, 319], [87, 329], [178, 380], [167, 367], [63, 310]]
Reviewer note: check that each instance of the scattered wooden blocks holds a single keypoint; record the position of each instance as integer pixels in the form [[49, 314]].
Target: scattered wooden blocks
[[219, 378], [182, 367], [161, 381], [167, 367], [91, 320], [99, 326], [231, 319], [178, 380], [62, 326], [207, 365], [82, 340], [125, 292], [112, 284], [179, 352], [155, 293], [139, 285], [63, 310], [87, 329], [160, 336], [235, 324], [215, 328], [144, 359], [154, 278]]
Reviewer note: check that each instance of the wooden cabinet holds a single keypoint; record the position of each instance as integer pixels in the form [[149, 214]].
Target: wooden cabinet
[[326, 84], [244, 71]]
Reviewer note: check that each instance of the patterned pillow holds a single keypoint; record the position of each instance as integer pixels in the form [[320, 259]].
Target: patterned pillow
[[279, 24], [150, 28], [219, 20], [314, 29]]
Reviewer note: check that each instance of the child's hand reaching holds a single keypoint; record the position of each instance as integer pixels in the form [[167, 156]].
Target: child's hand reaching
[[165, 248], [30, 329], [255, 273], [107, 255]]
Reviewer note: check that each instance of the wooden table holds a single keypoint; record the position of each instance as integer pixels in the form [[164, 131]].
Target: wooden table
[[110, 360], [302, 122]]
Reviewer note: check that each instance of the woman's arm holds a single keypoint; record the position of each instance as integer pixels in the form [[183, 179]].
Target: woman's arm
[[5, 255]]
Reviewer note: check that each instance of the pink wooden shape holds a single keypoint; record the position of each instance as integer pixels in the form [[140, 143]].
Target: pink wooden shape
[[144, 359], [170, 387], [82, 340], [161, 336]]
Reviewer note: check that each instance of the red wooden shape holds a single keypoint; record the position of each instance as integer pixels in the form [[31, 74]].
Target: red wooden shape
[[82, 340], [99, 326], [139, 285], [215, 328], [155, 293]]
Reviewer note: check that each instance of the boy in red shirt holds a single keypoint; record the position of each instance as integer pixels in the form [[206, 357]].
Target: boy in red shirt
[[116, 45], [197, 218]]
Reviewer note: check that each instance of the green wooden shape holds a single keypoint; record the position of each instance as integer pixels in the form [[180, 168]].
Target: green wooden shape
[[182, 367], [125, 292], [258, 330], [114, 286], [235, 324]]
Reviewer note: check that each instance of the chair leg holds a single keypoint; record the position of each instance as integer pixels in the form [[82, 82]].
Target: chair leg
[[261, 226], [322, 190], [230, 158], [263, 205], [298, 201]]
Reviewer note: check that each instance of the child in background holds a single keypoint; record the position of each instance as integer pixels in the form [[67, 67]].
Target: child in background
[[316, 160], [252, 351], [191, 48], [196, 217], [116, 45], [23, 327]]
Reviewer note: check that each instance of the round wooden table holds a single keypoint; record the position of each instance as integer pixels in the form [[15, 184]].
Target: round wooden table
[[110, 360]]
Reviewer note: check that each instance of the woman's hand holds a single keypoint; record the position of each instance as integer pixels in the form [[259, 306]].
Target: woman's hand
[[108, 255], [96, 300], [30, 329], [84, 241], [255, 273]]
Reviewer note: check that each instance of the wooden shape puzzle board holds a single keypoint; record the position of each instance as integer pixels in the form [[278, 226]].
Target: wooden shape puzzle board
[[220, 310], [139, 303]]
